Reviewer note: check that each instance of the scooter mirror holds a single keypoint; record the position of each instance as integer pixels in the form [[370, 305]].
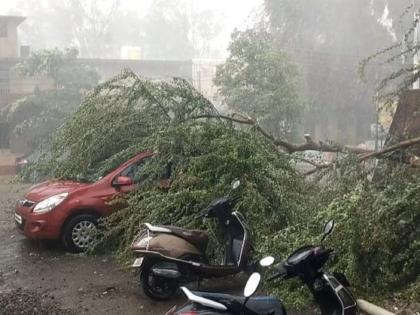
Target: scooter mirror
[[252, 284], [328, 227], [267, 261], [236, 184]]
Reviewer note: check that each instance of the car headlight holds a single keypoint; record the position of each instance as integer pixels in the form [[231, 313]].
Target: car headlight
[[50, 203]]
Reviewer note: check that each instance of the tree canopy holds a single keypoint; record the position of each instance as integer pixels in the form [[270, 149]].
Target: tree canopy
[[171, 30], [99, 29], [325, 41], [260, 80], [36, 116], [399, 59]]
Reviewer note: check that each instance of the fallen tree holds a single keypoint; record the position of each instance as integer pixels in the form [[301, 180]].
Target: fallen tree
[[376, 220], [311, 145], [290, 148]]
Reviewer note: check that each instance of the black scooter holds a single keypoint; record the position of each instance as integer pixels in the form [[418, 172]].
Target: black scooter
[[213, 303], [330, 291]]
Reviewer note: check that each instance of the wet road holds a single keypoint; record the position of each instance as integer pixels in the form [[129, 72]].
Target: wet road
[[85, 284]]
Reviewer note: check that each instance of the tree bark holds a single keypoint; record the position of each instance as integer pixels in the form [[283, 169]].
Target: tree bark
[[310, 145], [402, 145], [290, 148]]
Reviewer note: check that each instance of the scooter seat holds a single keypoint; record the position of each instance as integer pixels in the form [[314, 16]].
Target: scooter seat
[[255, 305], [198, 238], [265, 305]]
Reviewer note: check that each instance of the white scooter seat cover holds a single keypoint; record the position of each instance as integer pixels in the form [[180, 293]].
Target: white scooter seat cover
[[203, 301], [255, 305], [157, 229]]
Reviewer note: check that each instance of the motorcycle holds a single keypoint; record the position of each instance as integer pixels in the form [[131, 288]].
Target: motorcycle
[[169, 256], [331, 291]]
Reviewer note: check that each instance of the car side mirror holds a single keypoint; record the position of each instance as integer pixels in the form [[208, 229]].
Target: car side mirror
[[328, 228], [235, 184], [123, 181]]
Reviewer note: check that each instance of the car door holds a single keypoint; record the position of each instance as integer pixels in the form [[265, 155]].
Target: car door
[[133, 171]]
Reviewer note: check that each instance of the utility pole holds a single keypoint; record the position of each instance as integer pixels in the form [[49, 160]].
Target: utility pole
[[416, 57], [403, 41], [377, 122]]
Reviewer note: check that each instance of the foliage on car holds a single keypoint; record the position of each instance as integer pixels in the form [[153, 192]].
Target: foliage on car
[[375, 206]]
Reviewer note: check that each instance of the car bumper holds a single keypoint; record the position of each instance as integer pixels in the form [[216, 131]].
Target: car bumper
[[36, 226]]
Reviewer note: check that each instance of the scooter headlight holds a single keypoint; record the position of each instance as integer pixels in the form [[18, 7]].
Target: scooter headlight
[[143, 242]]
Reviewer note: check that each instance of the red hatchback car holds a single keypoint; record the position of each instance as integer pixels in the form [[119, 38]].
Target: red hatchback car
[[68, 210]]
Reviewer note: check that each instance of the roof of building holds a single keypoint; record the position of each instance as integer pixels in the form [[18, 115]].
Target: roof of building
[[17, 19]]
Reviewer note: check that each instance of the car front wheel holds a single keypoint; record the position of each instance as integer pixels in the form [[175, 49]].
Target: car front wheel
[[79, 233]]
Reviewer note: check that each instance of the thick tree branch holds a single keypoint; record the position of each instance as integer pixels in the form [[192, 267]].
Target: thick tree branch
[[413, 160], [311, 145], [402, 145], [287, 146]]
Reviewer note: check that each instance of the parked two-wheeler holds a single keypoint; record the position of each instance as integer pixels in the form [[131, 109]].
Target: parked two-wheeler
[[170, 256], [330, 291], [215, 303]]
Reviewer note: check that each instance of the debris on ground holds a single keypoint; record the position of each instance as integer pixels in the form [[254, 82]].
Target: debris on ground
[[26, 302]]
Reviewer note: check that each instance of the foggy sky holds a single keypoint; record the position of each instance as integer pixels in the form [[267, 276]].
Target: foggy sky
[[234, 13]]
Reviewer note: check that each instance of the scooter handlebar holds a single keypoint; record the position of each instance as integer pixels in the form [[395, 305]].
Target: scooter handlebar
[[202, 214], [282, 272], [199, 215]]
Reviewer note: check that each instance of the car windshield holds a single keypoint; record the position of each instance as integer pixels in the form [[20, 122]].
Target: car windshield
[[138, 171], [83, 179]]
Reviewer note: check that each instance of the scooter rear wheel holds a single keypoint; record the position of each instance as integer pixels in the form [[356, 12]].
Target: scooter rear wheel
[[156, 288]]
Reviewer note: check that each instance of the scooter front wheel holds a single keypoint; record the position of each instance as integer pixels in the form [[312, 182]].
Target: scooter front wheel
[[156, 288]]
